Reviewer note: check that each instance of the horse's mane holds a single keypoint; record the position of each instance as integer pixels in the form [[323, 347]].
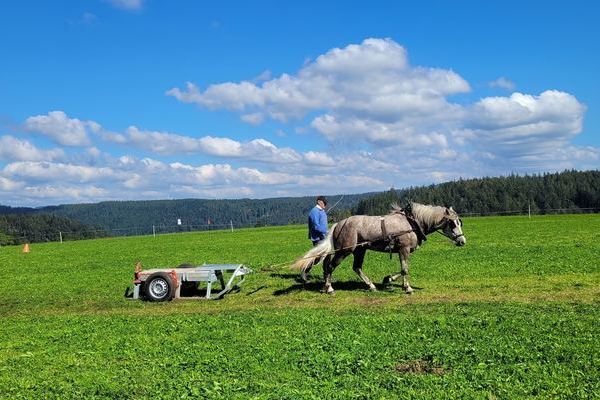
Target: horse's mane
[[429, 215], [396, 209]]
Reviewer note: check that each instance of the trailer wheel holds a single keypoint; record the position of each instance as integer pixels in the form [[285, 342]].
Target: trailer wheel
[[159, 287]]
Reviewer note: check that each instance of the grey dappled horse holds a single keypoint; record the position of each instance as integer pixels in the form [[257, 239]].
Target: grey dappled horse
[[401, 231]]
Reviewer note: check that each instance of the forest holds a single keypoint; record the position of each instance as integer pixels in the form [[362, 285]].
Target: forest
[[568, 191], [30, 228]]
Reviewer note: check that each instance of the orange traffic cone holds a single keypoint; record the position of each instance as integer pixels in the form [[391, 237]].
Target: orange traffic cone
[[26, 248]]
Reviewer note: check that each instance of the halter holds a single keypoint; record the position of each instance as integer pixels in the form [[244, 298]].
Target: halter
[[453, 236]]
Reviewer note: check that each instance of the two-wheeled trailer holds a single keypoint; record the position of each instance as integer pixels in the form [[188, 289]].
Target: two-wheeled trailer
[[165, 284]]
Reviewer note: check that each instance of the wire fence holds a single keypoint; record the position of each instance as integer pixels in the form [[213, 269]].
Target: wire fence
[[155, 230]]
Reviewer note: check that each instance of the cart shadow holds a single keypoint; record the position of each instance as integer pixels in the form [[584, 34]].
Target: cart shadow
[[317, 285]]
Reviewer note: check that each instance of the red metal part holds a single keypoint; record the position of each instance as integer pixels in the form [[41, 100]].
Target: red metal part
[[136, 274], [174, 278]]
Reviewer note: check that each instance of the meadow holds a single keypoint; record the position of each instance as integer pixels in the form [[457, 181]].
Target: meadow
[[513, 314]]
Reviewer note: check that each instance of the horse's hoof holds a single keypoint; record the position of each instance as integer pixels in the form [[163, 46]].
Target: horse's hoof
[[409, 290], [329, 291], [387, 280]]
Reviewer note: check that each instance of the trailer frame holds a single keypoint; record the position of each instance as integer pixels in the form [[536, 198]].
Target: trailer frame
[[165, 284]]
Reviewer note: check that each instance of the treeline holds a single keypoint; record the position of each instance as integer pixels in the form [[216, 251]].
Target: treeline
[[144, 217], [30, 228], [569, 190]]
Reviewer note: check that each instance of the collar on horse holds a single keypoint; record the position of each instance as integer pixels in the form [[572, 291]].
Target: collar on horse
[[410, 217]]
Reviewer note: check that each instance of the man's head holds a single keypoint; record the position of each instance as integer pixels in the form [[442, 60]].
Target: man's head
[[322, 201]]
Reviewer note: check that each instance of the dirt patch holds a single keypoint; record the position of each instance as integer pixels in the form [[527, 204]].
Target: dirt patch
[[420, 367]]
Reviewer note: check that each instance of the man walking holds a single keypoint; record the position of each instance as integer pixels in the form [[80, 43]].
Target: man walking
[[317, 221]]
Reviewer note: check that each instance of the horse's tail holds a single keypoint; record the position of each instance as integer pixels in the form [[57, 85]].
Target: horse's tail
[[316, 253]]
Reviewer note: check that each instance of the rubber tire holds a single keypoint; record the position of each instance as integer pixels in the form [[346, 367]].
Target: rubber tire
[[159, 287]]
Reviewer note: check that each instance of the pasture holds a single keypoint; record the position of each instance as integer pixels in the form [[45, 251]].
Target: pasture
[[513, 314]]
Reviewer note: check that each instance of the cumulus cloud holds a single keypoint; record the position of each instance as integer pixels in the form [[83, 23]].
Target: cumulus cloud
[[525, 124], [166, 143], [126, 177], [14, 149], [9, 185], [62, 129], [368, 96], [319, 159], [384, 121], [372, 79], [50, 171]]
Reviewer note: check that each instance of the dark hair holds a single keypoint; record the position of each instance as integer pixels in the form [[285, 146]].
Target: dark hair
[[323, 199]]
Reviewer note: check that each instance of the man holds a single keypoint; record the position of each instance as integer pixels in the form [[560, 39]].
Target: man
[[317, 221]]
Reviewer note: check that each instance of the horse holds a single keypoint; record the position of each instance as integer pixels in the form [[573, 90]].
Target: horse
[[401, 231]]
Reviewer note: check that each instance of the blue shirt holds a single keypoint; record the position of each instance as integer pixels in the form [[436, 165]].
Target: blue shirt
[[317, 224]]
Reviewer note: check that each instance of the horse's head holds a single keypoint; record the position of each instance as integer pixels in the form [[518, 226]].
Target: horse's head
[[451, 227]]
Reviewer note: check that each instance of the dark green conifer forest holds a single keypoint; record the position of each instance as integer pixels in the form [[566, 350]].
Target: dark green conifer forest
[[568, 191]]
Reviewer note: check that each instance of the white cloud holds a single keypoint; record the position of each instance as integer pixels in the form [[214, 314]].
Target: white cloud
[[13, 149], [503, 83], [62, 193], [385, 123], [525, 124], [368, 96], [319, 159], [253, 119], [49, 171], [9, 185], [165, 143], [62, 129], [372, 79], [375, 132]]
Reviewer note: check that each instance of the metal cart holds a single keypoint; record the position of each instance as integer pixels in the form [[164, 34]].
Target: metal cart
[[164, 284]]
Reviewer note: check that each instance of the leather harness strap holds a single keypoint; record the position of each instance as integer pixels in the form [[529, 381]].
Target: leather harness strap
[[421, 237], [390, 240], [387, 239]]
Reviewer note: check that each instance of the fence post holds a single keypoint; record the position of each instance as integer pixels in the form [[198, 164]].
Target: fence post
[[60, 236], [231, 225], [153, 231]]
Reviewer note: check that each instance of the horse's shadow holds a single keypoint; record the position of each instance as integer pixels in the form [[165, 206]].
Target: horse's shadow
[[317, 286]]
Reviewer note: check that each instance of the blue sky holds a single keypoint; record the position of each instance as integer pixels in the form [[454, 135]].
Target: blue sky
[[148, 99]]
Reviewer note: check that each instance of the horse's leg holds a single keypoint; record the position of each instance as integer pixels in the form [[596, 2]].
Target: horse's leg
[[329, 265], [404, 254], [359, 256], [391, 278]]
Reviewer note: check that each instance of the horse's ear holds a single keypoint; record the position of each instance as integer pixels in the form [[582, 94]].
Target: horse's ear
[[447, 211], [451, 209]]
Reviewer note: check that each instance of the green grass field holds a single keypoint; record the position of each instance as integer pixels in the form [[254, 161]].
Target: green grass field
[[514, 314]]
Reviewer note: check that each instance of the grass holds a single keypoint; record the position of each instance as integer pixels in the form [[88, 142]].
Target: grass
[[511, 315]]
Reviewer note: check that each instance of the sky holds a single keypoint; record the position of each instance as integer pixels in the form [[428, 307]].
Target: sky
[[154, 99]]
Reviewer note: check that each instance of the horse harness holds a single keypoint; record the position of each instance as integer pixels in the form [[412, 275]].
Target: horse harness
[[391, 240]]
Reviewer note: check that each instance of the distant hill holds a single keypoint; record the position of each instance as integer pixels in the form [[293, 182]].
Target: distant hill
[[568, 190], [140, 217], [30, 227]]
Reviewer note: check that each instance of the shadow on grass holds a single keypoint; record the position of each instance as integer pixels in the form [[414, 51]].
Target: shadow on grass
[[317, 286]]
